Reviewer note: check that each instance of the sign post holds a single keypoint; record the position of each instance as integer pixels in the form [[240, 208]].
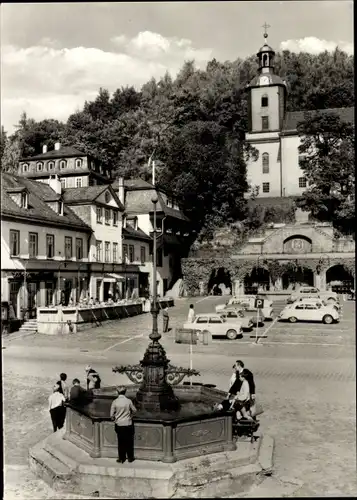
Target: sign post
[[258, 304], [193, 340]]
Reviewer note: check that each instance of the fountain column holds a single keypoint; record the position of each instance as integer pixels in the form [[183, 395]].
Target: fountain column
[[155, 394]]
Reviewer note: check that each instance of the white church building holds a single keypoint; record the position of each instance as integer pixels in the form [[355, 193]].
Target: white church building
[[273, 132]]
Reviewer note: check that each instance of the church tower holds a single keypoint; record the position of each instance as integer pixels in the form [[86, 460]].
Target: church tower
[[266, 94]]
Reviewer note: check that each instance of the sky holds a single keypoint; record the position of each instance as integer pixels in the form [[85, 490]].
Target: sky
[[54, 56]]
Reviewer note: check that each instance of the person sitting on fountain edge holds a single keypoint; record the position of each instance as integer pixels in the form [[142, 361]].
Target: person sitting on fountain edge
[[241, 401]]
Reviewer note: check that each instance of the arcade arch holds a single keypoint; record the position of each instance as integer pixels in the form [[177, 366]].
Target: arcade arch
[[338, 275], [220, 282]]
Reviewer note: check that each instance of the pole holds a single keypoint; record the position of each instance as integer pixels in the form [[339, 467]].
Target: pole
[[155, 336], [191, 357], [256, 330], [25, 289]]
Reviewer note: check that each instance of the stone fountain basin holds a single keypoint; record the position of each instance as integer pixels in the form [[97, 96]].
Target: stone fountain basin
[[192, 431]]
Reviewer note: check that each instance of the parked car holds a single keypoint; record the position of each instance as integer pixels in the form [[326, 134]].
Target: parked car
[[300, 311], [311, 291], [248, 302], [216, 325], [232, 314], [322, 302]]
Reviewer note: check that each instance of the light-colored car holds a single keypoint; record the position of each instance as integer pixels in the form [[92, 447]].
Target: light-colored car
[[216, 325], [299, 311], [233, 314], [311, 291], [321, 302], [248, 303]]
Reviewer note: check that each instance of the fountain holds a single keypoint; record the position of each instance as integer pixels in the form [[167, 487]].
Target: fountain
[[174, 423]]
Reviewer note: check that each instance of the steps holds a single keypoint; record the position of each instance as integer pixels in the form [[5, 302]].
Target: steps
[[30, 326]]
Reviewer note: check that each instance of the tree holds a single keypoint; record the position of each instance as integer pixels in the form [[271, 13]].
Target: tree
[[11, 155], [327, 149]]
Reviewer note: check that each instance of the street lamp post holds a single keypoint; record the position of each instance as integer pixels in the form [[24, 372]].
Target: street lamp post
[[154, 310]]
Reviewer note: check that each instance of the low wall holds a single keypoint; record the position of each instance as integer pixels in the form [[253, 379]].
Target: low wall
[[66, 320]]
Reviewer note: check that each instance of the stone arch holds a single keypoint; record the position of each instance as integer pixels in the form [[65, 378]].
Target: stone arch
[[297, 273], [338, 274], [220, 281], [259, 277], [297, 243]]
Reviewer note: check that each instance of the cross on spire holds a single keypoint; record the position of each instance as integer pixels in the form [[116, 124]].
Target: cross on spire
[[266, 26]]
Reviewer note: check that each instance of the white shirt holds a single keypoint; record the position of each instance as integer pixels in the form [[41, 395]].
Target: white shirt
[[244, 393], [56, 399], [191, 316]]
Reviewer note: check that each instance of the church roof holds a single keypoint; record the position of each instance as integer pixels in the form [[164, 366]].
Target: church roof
[[265, 48], [292, 118], [273, 80]]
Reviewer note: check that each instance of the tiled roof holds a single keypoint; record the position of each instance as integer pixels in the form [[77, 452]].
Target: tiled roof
[[38, 209], [292, 118], [63, 152], [88, 194], [273, 80], [130, 232]]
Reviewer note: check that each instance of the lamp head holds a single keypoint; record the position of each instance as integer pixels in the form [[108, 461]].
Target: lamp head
[[154, 199]]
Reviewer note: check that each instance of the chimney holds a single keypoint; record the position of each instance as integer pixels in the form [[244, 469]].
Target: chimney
[[121, 190], [57, 146], [55, 184], [44, 148]]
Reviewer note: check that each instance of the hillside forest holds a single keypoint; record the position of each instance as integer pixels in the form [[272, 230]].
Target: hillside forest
[[194, 125]]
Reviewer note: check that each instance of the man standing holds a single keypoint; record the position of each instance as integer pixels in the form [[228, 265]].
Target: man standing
[[77, 393], [165, 319], [122, 411], [65, 388], [191, 314]]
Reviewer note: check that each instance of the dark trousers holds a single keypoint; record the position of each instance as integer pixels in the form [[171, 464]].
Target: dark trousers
[[58, 415], [165, 324], [125, 436]]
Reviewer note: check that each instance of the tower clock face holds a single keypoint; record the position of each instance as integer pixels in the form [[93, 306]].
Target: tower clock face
[[264, 80]]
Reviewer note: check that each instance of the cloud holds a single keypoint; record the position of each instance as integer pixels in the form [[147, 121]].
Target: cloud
[[47, 81], [314, 45]]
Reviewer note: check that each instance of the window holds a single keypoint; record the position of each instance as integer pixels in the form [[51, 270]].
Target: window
[[115, 218], [78, 163], [131, 253], [300, 306], [265, 162], [25, 167], [50, 165], [79, 248], [142, 255], [23, 200], [302, 182], [266, 187], [68, 251], [79, 182], [50, 246], [265, 122], [215, 320], [60, 208], [99, 251], [107, 217], [14, 242], [115, 252], [125, 252], [202, 319], [63, 183], [99, 215], [169, 202], [63, 164], [33, 245], [159, 258], [107, 251], [39, 166], [265, 101]]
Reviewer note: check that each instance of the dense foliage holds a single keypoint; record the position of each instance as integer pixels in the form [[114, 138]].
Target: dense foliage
[[193, 126], [328, 154]]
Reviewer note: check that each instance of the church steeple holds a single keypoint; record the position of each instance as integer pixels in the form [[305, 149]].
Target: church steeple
[[266, 54]]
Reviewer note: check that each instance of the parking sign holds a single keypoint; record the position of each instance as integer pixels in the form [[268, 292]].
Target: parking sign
[[259, 303]]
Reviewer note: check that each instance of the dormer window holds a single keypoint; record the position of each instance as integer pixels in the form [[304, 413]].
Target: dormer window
[[51, 165], [24, 200], [25, 167], [39, 166], [60, 207], [63, 164], [78, 163]]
